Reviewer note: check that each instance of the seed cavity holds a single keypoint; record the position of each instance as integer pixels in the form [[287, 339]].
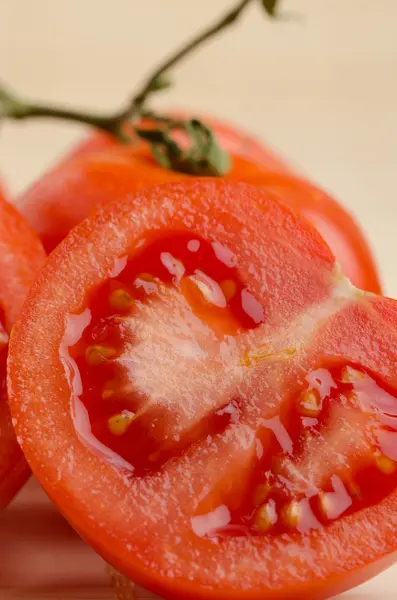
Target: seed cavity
[[118, 424], [110, 389]]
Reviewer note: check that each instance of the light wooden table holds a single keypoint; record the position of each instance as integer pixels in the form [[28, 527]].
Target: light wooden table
[[322, 89]]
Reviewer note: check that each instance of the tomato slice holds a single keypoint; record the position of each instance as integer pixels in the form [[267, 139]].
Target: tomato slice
[[336, 225], [100, 170], [184, 359], [21, 256]]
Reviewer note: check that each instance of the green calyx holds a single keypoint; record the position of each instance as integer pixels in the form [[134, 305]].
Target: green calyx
[[203, 156]]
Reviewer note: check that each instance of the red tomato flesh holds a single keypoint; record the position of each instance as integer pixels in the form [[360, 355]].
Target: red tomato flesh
[[21, 256], [188, 275], [337, 226], [218, 413]]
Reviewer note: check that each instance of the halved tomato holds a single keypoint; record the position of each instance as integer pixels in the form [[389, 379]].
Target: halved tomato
[[208, 400], [21, 256], [336, 225], [101, 170]]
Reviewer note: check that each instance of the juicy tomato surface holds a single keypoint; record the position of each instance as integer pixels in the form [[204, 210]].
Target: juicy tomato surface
[[208, 400], [21, 256], [99, 170]]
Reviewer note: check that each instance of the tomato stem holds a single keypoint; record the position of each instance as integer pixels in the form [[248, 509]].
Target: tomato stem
[[14, 108], [203, 157], [227, 20]]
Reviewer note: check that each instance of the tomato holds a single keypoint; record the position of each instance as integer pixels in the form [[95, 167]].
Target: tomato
[[99, 169], [335, 223], [21, 255], [69, 192], [208, 400], [64, 197], [231, 138]]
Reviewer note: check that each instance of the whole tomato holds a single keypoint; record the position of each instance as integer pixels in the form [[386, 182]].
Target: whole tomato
[[100, 170]]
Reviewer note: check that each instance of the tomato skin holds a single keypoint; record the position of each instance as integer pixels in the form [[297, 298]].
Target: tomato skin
[[336, 225], [99, 170], [332, 559], [21, 256], [53, 205], [233, 139]]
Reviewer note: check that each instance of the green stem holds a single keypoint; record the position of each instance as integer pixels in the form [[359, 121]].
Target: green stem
[[203, 157], [13, 108], [227, 20]]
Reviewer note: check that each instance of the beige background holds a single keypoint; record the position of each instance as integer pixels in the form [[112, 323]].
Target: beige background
[[321, 87]]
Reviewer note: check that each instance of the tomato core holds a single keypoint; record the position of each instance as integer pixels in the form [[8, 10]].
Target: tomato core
[[179, 302], [196, 279]]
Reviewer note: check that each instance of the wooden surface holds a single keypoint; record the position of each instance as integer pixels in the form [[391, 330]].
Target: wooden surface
[[322, 88]]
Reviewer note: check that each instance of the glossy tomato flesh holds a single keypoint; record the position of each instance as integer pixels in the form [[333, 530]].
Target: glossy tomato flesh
[[21, 256], [218, 417]]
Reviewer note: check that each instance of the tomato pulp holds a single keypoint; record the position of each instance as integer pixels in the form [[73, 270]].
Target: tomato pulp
[[99, 170], [21, 256], [218, 418]]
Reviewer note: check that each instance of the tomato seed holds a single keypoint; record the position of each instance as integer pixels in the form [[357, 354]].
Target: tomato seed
[[96, 355], [145, 277], [209, 289], [354, 489], [386, 465], [350, 375], [118, 424], [266, 516], [261, 493], [121, 300], [292, 513], [310, 404], [262, 354]]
